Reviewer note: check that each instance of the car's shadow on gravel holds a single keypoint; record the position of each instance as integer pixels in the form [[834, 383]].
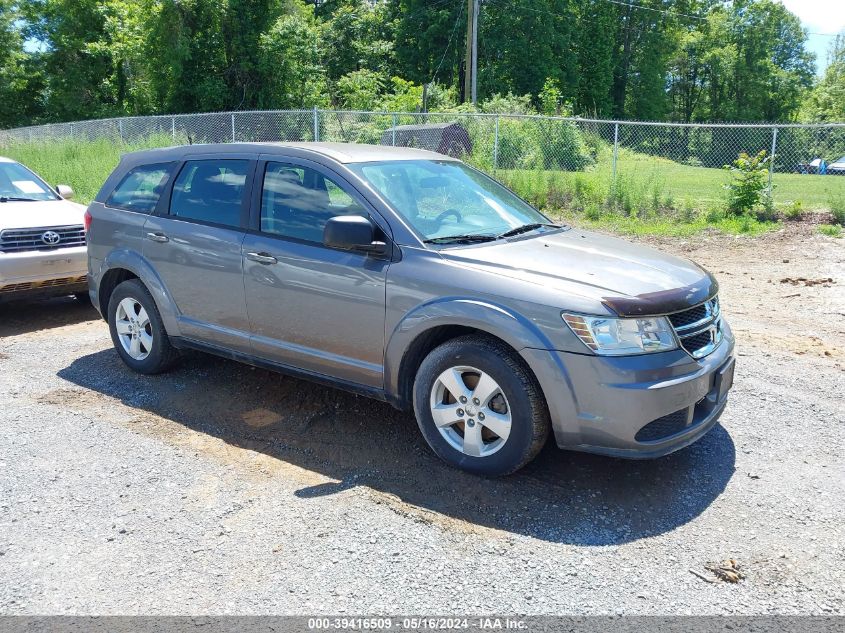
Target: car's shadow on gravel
[[22, 317], [562, 496]]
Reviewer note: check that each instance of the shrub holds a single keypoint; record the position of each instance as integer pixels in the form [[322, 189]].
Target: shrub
[[794, 211], [767, 212], [592, 212], [831, 230], [748, 182], [837, 208], [687, 215]]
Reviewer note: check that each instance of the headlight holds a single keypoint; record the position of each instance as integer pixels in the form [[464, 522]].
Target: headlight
[[609, 336]]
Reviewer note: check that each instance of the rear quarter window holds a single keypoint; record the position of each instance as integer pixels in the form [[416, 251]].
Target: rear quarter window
[[141, 188]]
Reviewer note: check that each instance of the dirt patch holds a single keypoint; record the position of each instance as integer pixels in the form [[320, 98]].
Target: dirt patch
[[756, 279], [250, 455]]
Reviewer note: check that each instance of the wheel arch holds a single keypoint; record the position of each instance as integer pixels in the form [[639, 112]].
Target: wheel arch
[[430, 325], [120, 266], [110, 280]]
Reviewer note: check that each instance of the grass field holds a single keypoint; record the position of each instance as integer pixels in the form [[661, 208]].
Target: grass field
[[653, 182], [84, 165], [650, 195]]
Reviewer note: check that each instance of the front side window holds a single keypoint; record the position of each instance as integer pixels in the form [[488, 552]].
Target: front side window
[[141, 188], [18, 183], [447, 198], [297, 202], [210, 191]]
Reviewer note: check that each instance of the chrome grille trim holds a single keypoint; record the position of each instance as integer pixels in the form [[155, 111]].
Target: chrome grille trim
[[700, 337], [21, 240]]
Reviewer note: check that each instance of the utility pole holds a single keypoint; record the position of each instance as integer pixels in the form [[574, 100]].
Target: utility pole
[[468, 58], [475, 52]]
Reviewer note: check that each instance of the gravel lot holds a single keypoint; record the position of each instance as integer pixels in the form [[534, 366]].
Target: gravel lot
[[223, 489]]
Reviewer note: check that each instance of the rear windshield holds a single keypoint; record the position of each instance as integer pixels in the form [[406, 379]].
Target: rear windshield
[[18, 183]]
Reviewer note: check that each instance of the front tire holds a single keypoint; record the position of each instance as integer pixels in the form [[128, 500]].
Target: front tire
[[137, 330], [479, 407]]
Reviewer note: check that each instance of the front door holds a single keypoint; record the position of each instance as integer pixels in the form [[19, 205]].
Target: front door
[[196, 249], [313, 307]]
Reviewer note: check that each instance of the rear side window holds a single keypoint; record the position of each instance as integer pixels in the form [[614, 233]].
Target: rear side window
[[210, 191], [141, 188]]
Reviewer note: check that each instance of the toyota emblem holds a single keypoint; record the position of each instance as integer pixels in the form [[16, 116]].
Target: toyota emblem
[[50, 238]]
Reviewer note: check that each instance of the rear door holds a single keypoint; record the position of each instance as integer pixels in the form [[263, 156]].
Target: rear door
[[195, 246], [310, 306]]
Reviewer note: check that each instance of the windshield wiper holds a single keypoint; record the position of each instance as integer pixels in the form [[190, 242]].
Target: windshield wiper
[[449, 239], [16, 199], [525, 228]]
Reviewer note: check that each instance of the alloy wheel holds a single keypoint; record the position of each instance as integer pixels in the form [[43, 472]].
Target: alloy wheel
[[134, 329], [470, 411]]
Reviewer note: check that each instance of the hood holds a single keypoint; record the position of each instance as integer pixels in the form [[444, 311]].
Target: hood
[[629, 279], [40, 214]]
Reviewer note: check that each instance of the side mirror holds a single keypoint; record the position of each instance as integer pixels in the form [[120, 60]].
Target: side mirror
[[64, 191], [352, 233]]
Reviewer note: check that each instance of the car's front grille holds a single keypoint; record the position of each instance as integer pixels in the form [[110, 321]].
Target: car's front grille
[[49, 283], [699, 328], [41, 239]]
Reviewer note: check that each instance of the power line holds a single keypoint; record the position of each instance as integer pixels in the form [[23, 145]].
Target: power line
[[623, 4], [451, 37], [663, 11]]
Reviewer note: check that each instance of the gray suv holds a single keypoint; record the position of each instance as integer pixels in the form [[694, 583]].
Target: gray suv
[[410, 277]]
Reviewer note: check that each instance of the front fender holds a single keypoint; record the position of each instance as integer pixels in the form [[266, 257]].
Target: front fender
[[494, 319], [135, 263]]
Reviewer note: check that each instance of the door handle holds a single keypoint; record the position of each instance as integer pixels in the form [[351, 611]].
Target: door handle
[[158, 237], [262, 258]]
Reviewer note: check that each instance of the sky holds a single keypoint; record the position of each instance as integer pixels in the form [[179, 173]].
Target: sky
[[819, 16]]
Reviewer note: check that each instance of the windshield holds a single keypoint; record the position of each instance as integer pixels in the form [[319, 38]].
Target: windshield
[[18, 183], [442, 199]]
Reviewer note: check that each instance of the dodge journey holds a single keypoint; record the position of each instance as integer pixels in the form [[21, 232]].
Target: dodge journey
[[413, 278]]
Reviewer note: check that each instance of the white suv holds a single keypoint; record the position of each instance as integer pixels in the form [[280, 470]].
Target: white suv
[[42, 237]]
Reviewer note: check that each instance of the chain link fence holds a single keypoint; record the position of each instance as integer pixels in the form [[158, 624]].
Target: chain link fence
[[551, 160]]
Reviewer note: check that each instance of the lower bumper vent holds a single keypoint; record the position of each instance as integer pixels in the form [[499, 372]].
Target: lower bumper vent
[[38, 285], [663, 427]]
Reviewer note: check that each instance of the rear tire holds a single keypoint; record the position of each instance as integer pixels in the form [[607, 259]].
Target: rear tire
[[479, 407], [137, 330]]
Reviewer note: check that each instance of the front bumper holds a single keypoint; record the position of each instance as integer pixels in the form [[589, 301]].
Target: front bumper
[[602, 404], [60, 271]]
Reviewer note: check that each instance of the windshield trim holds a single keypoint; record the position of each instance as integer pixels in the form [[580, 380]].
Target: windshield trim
[[418, 235]]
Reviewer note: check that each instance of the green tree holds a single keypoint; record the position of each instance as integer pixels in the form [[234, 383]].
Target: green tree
[[290, 69], [78, 74], [21, 76], [360, 90], [426, 34], [523, 44], [357, 35], [827, 101], [595, 46], [188, 69]]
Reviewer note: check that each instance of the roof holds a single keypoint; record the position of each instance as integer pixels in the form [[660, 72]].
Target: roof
[[340, 152], [426, 126]]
